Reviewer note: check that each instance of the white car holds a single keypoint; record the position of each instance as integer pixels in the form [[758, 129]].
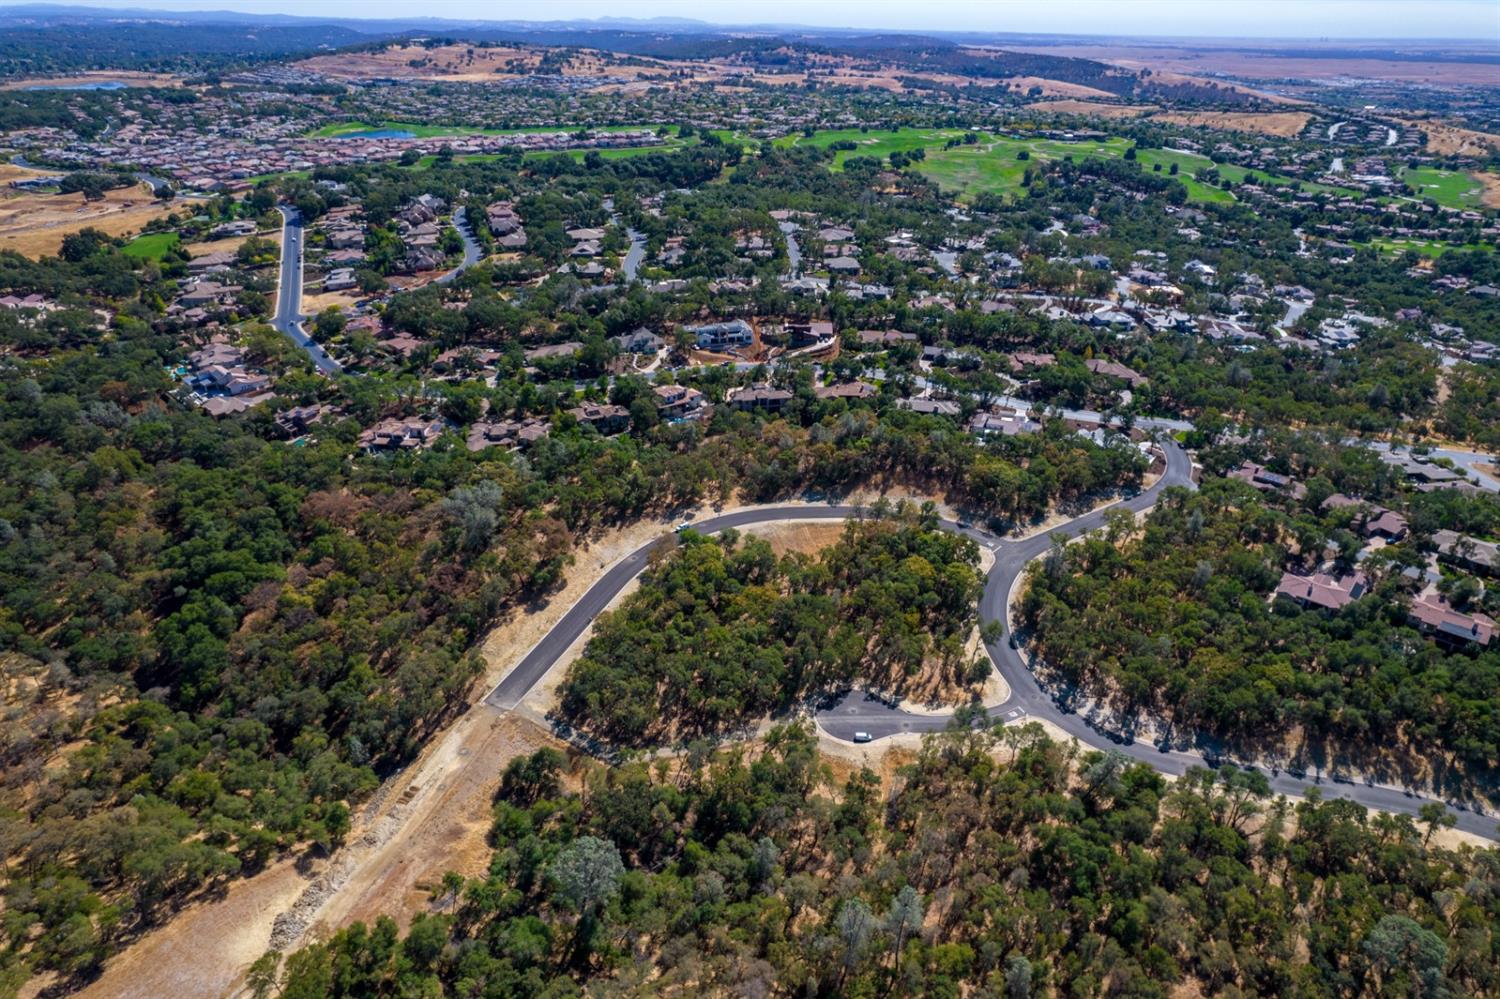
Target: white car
[[863, 737], [683, 526]]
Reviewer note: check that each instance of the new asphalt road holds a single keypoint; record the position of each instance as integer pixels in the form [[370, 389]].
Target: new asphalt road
[[857, 712], [288, 318]]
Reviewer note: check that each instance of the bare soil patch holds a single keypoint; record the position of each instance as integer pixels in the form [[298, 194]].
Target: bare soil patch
[[205, 949], [807, 537], [34, 223], [445, 827], [1094, 108], [229, 243], [1279, 123], [313, 304], [1055, 88], [460, 63], [1453, 140], [1491, 184]]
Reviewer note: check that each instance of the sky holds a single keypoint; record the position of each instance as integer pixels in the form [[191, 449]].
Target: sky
[[1393, 19]]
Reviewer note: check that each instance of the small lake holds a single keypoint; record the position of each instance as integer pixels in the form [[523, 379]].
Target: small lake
[[90, 85], [379, 133]]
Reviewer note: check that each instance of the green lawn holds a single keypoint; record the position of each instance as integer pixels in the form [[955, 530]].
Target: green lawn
[[994, 166], [151, 246], [875, 142], [1449, 188], [1426, 247]]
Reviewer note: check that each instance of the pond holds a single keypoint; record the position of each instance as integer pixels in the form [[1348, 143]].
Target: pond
[[380, 133], [89, 85]]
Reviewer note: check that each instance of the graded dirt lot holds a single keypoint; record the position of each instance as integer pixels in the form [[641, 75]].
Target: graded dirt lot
[[1054, 88], [207, 947], [1451, 140], [461, 63], [1491, 185], [229, 243], [1280, 123], [34, 223], [1091, 107]]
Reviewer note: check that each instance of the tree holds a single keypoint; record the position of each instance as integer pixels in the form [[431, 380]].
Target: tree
[[261, 978], [587, 873], [905, 916], [1017, 977], [1398, 943], [856, 925], [1435, 815]]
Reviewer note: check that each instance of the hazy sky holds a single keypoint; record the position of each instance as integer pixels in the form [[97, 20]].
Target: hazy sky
[[1397, 19]]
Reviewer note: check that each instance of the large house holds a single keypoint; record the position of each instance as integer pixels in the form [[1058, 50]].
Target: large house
[[1322, 590], [1268, 481], [400, 435], [1467, 553], [603, 417], [512, 434], [717, 336], [1431, 614], [1376, 520], [639, 341], [762, 397], [676, 402]]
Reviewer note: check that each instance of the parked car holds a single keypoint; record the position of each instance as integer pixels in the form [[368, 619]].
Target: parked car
[[863, 737]]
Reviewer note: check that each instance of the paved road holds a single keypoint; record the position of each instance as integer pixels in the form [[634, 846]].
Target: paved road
[[288, 318], [473, 252], [861, 713]]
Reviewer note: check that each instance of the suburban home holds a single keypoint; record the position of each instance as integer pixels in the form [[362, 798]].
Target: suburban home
[[512, 434], [1376, 521], [1467, 553], [847, 390], [1112, 369], [400, 435], [842, 265], [1021, 360], [1422, 470], [639, 341], [603, 417], [229, 405], [717, 336], [1002, 421], [805, 334], [339, 279], [551, 351], [1322, 590], [762, 397], [202, 293], [1433, 615], [677, 402], [885, 338], [930, 407], [1267, 481], [299, 419]]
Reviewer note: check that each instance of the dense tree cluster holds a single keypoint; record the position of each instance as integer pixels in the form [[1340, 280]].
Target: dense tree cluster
[[722, 632], [996, 864]]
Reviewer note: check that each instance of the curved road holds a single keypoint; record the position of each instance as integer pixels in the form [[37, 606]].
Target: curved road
[[858, 712], [288, 318], [472, 250]]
